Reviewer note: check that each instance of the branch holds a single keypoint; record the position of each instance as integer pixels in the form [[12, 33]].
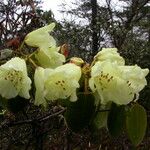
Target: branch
[[30, 121], [94, 27], [134, 12], [53, 115]]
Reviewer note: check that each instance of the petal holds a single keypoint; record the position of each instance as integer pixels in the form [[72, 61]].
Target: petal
[[117, 92], [15, 63], [39, 85], [71, 70], [92, 84], [135, 76], [109, 83], [73, 96], [58, 83], [14, 75], [62, 82], [57, 86], [110, 54], [24, 92], [7, 90], [49, 58], [40, 37]]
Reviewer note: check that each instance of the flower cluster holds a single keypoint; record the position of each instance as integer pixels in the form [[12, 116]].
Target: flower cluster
[[47, 53], [113, 81], [109, 76], [52, 79]]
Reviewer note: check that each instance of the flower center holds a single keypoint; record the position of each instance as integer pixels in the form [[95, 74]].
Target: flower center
[[15, 77], [104, 79], [61, 83]]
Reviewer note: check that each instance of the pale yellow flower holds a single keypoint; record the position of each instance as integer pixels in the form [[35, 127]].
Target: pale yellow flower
[[47, 53], [50, 58], [41, 37], [58, 83], [14, 80], [115, 83], [110, 54]]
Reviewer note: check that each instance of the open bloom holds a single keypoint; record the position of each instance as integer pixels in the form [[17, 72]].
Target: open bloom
[[58, 83], [14, 80], [110, 54], [47, 53], [115, 83], [41, 37]]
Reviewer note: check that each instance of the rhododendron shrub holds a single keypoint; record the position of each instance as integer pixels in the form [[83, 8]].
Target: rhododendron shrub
[[105, 83]]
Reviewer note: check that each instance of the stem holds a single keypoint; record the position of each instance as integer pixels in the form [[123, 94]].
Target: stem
[[32, 54], [19, 52], [86, 85], [86, 74], [93, 63], [32, 62], [21, 46]]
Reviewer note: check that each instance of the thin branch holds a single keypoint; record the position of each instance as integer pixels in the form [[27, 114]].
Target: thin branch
[[30, 121], [53, 115]]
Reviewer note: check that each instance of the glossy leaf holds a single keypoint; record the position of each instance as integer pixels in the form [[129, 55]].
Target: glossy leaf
[[79, 113], [136, 123], [116, 119]]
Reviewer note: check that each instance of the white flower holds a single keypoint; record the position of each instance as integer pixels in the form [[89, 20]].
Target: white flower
[[14, 80], [110, 54], [47, 54], [115, 83], [39, 80], [58, 83], [41, 38]]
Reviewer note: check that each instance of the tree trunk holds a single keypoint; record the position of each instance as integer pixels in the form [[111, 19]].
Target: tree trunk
[[94, 27]]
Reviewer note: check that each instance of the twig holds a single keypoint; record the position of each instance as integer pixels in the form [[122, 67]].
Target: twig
[[53, 115], [30, 121], [32, 62]]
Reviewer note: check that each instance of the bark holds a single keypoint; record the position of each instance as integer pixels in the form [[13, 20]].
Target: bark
[[94, 27]]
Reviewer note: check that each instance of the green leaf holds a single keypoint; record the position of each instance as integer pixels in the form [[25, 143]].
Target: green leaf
[[79, 113], [100, 120], [116, 119], [3, 102], [136, 123]]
